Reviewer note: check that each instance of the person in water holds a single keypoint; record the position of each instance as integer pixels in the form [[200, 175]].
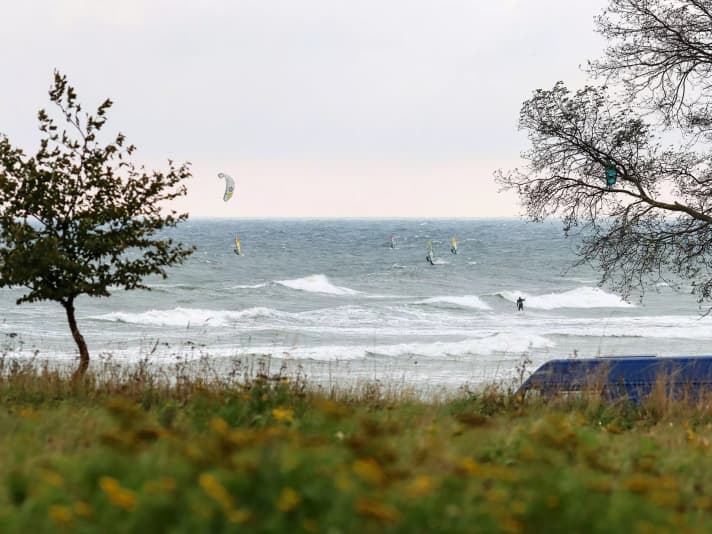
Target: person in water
[[520, 304], [430, 258]]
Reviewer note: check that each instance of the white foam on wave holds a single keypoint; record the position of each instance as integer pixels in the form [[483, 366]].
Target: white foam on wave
[[317, 283], [439, 349], [466, 301], [581, 297], [249, 286], [658, 327], [186, 316]]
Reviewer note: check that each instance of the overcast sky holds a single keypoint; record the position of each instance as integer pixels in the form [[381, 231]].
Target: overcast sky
[[318, 108]]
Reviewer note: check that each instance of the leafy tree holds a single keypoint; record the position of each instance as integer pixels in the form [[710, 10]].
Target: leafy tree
[[597, 157], [78, 217]]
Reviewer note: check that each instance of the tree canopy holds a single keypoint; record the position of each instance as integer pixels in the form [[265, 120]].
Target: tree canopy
[[601, 157], [79, 217]]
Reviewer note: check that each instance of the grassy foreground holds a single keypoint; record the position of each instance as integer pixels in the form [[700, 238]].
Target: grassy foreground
[[133, 453]]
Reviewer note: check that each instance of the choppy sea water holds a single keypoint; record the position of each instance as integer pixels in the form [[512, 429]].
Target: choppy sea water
[[333, 296]]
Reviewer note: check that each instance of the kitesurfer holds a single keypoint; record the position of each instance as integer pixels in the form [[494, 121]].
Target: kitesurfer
[[520, 304]]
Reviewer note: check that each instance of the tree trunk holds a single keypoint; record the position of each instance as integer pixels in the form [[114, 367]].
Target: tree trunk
[[78, 338]]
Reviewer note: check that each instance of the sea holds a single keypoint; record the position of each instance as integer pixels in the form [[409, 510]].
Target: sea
[[333, 301]]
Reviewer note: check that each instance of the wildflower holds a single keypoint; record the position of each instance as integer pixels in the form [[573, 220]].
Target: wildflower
[[421, 486], [216, 490], [118, 496], [288, 500], [468, 466], [369, 471], [283, 414], [496, 472], [376, 510], [219, 425], [238, 516], [62, 515], [82, 509]]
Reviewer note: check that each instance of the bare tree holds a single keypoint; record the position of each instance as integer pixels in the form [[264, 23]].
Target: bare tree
[[661, 51], [644, 210]]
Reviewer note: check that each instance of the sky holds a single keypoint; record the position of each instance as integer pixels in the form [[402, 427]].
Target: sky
[[317, 108]]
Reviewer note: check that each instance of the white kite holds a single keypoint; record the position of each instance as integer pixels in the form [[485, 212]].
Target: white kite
[[229, 186]]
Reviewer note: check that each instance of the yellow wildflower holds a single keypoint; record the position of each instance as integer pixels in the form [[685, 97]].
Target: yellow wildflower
[[62, 515], [420, 486], [239, 516], [118, 496], [216, 490], [219, 425], [288, 500], [283, 414], [468, 466], [369, 471], [82, 509]]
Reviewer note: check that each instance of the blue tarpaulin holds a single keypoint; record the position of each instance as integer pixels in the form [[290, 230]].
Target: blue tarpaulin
[[631, 377]]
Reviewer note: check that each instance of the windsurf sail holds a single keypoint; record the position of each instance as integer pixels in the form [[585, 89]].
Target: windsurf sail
[[393, 241], [453, 245], [229, 186], [238, 249], [431, 255]]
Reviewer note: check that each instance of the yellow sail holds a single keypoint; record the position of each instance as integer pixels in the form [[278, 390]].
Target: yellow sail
[[238, 250], [453, 245]]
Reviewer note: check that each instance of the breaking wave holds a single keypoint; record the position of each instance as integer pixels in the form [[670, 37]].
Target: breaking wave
[[317, 283], [581, 297]]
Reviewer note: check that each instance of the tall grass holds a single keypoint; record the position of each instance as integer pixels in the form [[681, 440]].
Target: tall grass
[[250, 447]]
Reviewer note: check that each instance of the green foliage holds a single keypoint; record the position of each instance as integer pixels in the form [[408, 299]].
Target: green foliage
[[79, 217], [273, 455]]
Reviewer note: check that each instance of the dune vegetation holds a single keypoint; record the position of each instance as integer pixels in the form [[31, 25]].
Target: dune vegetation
[[125, 450]]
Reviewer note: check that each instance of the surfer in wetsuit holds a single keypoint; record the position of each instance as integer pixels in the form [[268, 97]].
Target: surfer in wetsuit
[[520, 304]]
